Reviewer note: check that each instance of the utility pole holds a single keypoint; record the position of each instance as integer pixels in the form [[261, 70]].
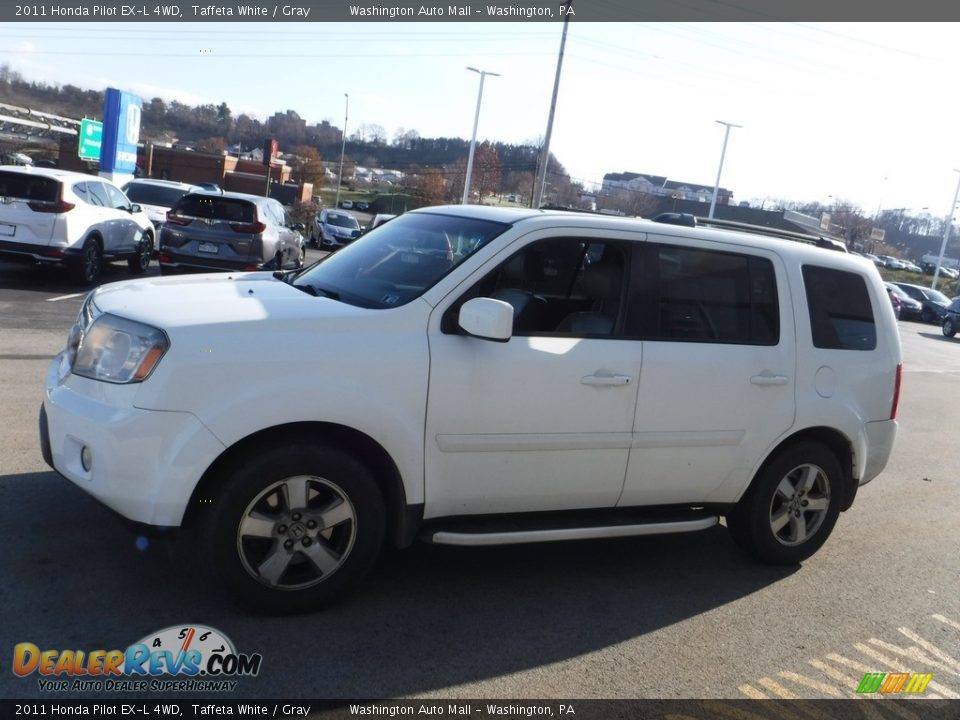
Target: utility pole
[[946, 233], [545, 151], [343, 146]]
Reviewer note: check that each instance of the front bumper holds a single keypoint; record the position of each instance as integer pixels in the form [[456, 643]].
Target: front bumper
[[144, 464]]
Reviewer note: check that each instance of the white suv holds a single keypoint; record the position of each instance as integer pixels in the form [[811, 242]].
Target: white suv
[[478, 376], [60, 217]]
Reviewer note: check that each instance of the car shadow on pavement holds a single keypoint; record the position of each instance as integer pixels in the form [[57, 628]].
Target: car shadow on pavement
[[428, 618], [940, 336]]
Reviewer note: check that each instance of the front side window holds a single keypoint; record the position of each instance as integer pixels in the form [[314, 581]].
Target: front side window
[[841, 317], [400, 261], [564, 286], [711, 296]]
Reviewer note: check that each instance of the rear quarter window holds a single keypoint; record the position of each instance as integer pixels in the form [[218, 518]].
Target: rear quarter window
[[841, 316]]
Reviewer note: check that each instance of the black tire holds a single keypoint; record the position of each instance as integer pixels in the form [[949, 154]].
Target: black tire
[[779, 528], [139, 262], [949, 329], [88, 266], [315, 523]]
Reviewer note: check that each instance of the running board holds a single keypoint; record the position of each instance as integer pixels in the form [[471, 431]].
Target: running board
[[510, 537]]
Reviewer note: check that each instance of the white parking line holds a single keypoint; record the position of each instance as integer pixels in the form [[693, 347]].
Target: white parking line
[[65, 297]]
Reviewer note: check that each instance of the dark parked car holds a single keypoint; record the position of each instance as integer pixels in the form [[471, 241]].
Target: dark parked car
[[951, 319], [905, 306], [229, 231], [933, 302]]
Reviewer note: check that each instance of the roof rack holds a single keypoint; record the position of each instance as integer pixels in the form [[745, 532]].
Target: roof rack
[[689, 220]]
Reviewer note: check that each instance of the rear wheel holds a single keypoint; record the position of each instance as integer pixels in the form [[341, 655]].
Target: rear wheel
[[86, 270], [949, 329], [294, 527], [791, 507]]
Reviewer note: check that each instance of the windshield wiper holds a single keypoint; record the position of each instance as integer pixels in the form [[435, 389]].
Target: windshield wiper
[[318, 291]]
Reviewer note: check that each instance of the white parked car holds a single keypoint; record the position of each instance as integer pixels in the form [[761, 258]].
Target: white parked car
[[60, 217], [156, 197], [578, 376]]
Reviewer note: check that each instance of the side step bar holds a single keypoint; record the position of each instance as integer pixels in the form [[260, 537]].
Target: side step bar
[[510, 537]]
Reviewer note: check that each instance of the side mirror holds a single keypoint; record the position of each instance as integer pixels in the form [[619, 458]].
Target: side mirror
[[134, 209], [487, 318]]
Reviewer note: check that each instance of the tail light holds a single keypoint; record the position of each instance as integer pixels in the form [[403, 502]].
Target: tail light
[[174, 219], [253, 228], [896, 392], [52, 206], [164, 258]]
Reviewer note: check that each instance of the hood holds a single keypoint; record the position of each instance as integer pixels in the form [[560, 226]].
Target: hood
[[196, 300]]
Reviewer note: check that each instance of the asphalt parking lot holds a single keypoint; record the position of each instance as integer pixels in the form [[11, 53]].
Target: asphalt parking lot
[[660, 617]]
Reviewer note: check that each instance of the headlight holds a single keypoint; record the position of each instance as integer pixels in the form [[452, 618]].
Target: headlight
[[118, 350]]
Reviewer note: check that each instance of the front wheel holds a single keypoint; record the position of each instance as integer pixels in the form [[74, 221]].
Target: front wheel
[[949, 329], [292, 528], [791, 507]]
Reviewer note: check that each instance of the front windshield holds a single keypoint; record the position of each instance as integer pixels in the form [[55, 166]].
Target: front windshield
[[399, 260], [344, 221]]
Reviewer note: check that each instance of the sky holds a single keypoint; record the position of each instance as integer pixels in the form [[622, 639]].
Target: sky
[[865, 113]]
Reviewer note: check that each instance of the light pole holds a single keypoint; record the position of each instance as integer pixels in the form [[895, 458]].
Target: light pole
[[343, 146], [946, 233], [473, 140], [716, 185]]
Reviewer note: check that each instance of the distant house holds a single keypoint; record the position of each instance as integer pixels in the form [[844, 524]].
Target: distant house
[[660, 186]]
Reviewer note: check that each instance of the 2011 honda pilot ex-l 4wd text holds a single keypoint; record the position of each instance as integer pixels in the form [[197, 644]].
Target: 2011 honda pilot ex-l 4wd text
[[477, 376]]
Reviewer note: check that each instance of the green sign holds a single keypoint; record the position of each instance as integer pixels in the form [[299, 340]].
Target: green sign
[[91, 134]]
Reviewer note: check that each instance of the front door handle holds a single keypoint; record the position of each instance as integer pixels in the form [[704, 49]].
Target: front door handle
[[768, 378], [605, 380]]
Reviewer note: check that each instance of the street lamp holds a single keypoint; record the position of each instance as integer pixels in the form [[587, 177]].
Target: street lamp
[[473, 140], [343, 146], [716, 185], [946, 233]]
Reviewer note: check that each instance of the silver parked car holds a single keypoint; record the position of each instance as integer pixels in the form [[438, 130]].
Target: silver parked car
[[229, 231], [334, 228]]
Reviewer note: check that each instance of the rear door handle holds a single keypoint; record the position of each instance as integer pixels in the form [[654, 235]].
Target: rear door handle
[[768, 378], [605, 380]]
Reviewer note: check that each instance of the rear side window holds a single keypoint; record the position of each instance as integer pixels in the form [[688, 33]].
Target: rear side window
[[709, 296], [841, 316], [214, 207], [22, 186]]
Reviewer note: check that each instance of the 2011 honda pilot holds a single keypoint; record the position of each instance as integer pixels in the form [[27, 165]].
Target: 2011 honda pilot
[[479, 376]]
